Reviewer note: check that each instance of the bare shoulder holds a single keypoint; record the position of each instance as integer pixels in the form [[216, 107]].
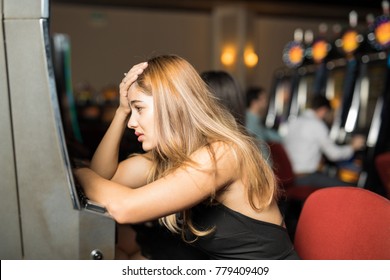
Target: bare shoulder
[[219, 150], [133, 171], [220, 156]]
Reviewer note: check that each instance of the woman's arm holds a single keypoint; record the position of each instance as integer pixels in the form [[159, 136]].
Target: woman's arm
[[133, 172], [329, 148], [105, 159], [181, 189]]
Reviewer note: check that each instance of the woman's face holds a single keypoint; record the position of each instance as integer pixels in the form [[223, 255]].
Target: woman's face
[[142, 117]]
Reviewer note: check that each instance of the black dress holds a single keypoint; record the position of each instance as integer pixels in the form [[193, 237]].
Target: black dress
[[237, 236], [158, 243]]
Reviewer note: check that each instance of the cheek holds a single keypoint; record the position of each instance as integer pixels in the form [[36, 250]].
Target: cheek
[[146, 121]]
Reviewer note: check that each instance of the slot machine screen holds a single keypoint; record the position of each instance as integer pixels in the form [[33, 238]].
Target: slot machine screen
[[334, 90], [282, 98], [372, 88], [302, 94], [278, 100], [310, 81], [73, 146], [62, 70]]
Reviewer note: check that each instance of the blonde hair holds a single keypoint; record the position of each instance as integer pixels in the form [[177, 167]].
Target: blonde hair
[[189, 117]]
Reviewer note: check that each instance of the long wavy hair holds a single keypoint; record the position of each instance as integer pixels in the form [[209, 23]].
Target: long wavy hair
[[189, 117]]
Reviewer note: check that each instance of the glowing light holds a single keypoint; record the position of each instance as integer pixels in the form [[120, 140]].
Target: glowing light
[[320, 51], [382, 33], [293, 54], [250, 58], [296, 54], [228, 56], [350, 41]]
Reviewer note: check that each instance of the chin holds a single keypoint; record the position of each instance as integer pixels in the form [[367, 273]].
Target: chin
[[147, 147]]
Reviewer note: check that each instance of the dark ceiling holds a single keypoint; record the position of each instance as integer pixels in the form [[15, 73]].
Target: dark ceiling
[[320, 9]]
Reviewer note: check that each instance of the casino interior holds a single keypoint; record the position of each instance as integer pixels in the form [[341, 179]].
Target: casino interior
[[61, 63]]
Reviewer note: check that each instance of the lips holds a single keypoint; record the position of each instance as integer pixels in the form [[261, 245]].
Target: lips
[[140, 136]]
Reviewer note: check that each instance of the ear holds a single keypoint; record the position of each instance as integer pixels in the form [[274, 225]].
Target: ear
[[322, 111]]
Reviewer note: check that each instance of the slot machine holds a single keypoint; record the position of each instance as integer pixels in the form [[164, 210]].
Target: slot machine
[[374, 89], [343, 72], [331, 73], [321, 70], [308, 73], [364, 83], [318, 54], [286, 84], [307, 79], [313, 72], [342, 95], [43, 216]]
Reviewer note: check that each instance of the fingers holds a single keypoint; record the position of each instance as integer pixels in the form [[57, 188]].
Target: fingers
[[131, 77], [134, 72]]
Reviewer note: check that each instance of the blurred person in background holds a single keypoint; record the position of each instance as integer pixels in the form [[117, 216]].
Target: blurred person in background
[[228, 92], [256, 108], [307, 141]]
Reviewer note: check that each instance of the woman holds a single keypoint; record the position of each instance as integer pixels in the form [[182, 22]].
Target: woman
[[201, 174], [228, 92]]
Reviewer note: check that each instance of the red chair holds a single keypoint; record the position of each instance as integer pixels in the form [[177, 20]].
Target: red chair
[[344, 223], [285, 174], [382, 163]]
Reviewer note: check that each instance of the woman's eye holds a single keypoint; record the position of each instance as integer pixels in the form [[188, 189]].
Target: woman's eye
[[138, 109]]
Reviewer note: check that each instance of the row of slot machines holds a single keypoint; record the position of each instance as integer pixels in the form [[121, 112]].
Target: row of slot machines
[[353, 71], [42, 213]]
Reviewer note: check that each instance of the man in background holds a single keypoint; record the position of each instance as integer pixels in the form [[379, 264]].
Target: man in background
[[307, 141], [257, 105]]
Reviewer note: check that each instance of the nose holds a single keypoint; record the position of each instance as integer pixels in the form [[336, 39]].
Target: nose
[[132, 123]]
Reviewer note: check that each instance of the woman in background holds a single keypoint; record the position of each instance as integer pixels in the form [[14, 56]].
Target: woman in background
[[228, 92]]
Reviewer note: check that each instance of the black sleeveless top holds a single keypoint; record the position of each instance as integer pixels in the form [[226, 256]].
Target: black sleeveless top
[[237, 236]]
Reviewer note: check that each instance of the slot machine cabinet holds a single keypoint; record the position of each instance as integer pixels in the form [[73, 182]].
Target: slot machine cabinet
[[349, 45], [46, 217], [351, 98], [10, 245], [373, 116], [345, 101], [376, 84], [335, 89]]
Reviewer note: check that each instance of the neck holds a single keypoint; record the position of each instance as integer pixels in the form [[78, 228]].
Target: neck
[[254, 111]]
